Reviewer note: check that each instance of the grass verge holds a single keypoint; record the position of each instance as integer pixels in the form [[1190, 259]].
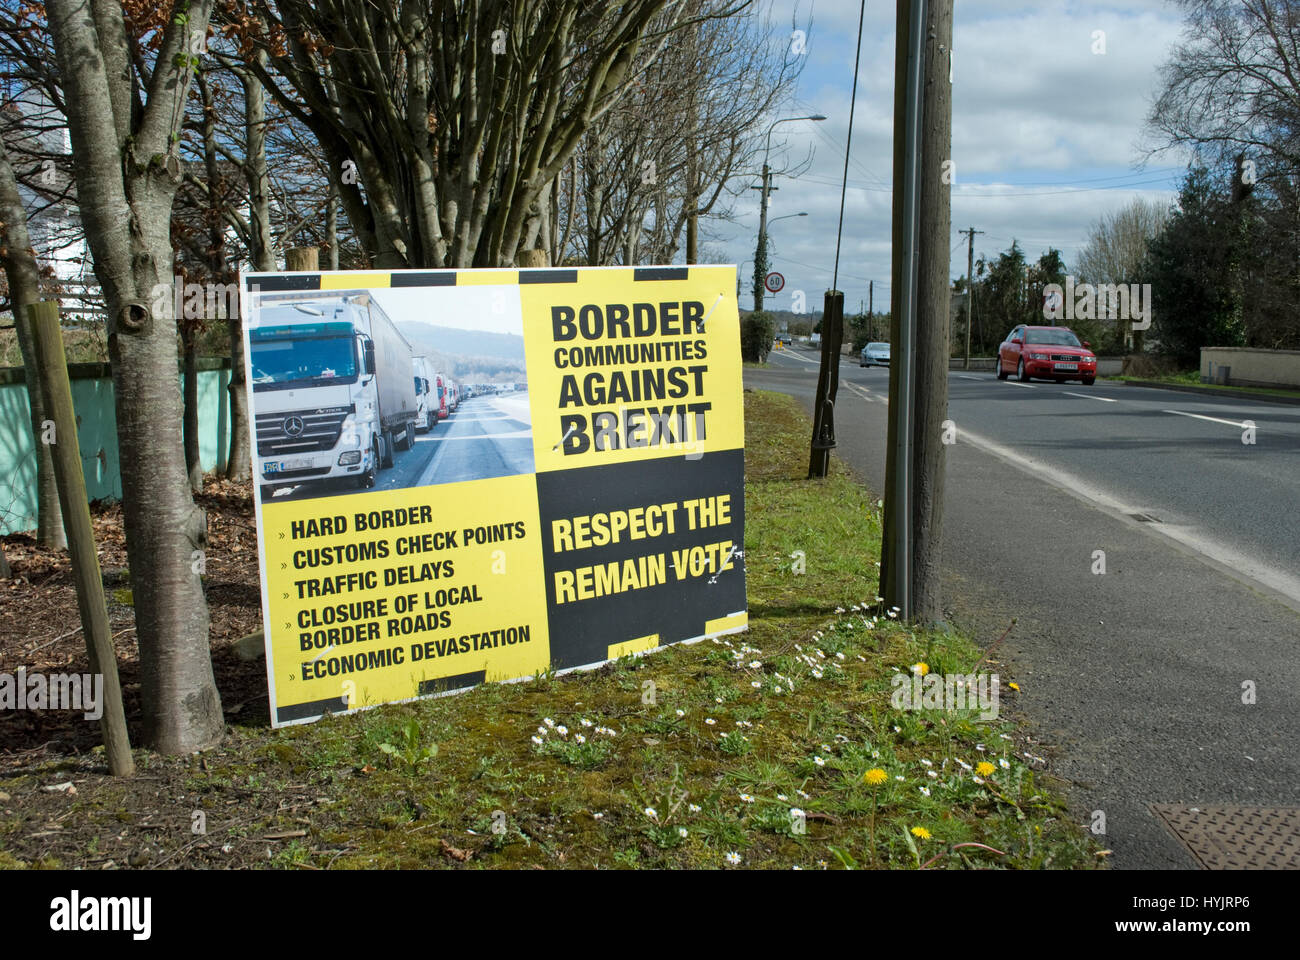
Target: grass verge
[[750, 751]]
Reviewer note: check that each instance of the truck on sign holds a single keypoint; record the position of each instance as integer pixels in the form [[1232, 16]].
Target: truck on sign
[[333, 390]]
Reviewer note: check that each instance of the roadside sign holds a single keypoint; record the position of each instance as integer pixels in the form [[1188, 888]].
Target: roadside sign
[[774, 282], [584, 501]]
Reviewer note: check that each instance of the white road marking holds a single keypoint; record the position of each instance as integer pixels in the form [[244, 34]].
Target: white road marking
[[1281, 584], [794, 356], [1015, 383], [967, 376], [1090, 396], [1232, 423], [865, 394]]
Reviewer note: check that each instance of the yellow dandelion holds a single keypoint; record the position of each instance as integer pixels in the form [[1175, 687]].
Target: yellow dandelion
[[984, 768], [1014, 686], [921, 833], [875, 776], [921, 668]]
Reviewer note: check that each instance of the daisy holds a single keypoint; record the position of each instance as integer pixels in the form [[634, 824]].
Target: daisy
[[1002, 762], [562, 730], [680, 714], [652, 813], [819, 761], [681, 832], [580, 738], [781, 797], [755, 664], [926, 762], [710, 721], [746, 798], [542, 731], [548, 721], [537, 740], [694, 808], [733, 858], [925, 790]]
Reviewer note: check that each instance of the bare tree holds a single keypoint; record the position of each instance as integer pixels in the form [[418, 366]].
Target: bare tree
[[1117, 243], [125, 102], [1233, 84], [18, 259], [445, 125], [690, 125]]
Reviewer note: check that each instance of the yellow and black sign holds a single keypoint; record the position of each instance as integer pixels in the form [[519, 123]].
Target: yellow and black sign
[[478, 475]]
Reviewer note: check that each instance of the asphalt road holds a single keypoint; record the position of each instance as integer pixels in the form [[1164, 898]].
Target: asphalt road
[[1132, 678], [487, 436]]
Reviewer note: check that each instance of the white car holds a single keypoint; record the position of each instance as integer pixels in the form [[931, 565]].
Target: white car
[[875, 355]]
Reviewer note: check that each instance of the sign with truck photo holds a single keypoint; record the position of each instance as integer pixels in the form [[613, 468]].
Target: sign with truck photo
[[480, 475]]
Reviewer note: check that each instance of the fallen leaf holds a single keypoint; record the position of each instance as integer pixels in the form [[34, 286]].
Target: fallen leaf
[[455, 852]]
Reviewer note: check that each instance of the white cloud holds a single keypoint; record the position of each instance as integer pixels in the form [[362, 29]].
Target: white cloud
[[1035, 111]]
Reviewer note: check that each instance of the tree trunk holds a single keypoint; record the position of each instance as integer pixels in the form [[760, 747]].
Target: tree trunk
[[930, 407], [262, 255], [19, 262], [128, 168]]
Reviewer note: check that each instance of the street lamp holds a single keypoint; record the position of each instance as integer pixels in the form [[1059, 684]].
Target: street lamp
[[740, 272], [760, 254]]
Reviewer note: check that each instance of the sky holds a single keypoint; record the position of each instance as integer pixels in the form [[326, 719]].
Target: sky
[[1047, 137]]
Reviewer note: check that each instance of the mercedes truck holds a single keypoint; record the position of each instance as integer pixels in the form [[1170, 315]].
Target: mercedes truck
[[333, 389]]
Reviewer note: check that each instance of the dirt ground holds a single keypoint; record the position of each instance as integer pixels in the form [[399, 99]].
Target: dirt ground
[[40, 630]]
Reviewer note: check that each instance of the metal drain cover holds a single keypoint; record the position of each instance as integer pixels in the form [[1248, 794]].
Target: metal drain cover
[[1234, 837]]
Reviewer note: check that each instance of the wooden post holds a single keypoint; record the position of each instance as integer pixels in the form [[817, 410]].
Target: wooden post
[[71, 481], [828, 384], [302, 258]]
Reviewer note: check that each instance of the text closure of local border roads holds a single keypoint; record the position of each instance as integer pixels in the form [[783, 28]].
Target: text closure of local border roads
[[618, 531]]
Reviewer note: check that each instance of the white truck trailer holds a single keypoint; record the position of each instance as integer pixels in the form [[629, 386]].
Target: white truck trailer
[[333, 390], [426, 393]]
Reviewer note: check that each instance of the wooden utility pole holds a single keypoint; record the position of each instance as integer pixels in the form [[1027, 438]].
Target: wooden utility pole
[[71, 482], [970, 288], [871, 310], [914, 511]]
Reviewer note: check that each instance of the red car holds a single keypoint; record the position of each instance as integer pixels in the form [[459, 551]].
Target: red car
[[1048, 353]]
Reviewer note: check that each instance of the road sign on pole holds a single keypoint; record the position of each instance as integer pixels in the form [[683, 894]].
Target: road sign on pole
[[774, 282]]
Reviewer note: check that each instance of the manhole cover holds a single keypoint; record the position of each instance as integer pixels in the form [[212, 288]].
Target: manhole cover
[[1236, 838]]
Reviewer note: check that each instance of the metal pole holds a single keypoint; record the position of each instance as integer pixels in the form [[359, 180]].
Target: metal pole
[[902, 508]]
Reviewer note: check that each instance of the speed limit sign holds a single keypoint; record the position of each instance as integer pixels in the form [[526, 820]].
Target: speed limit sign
[[774, 282]]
